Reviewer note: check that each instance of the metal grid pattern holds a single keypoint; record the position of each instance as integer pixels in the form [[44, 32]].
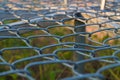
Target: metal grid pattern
[[44, 19]]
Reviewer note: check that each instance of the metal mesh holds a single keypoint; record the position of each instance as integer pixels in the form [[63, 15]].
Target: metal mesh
[[43, 32]]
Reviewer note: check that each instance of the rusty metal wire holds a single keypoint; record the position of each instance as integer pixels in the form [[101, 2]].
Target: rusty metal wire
[[44, 16]]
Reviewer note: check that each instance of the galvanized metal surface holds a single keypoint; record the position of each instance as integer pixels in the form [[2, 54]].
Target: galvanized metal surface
[[33, 17]]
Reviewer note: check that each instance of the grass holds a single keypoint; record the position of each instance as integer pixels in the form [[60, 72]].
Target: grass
[[10, 21], [53, 71]]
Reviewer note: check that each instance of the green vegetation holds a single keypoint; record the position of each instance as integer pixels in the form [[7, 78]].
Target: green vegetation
[[10, 21], [53, 71]]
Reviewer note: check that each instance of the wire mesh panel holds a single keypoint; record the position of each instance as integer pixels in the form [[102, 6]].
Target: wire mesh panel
[[59, 40]]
